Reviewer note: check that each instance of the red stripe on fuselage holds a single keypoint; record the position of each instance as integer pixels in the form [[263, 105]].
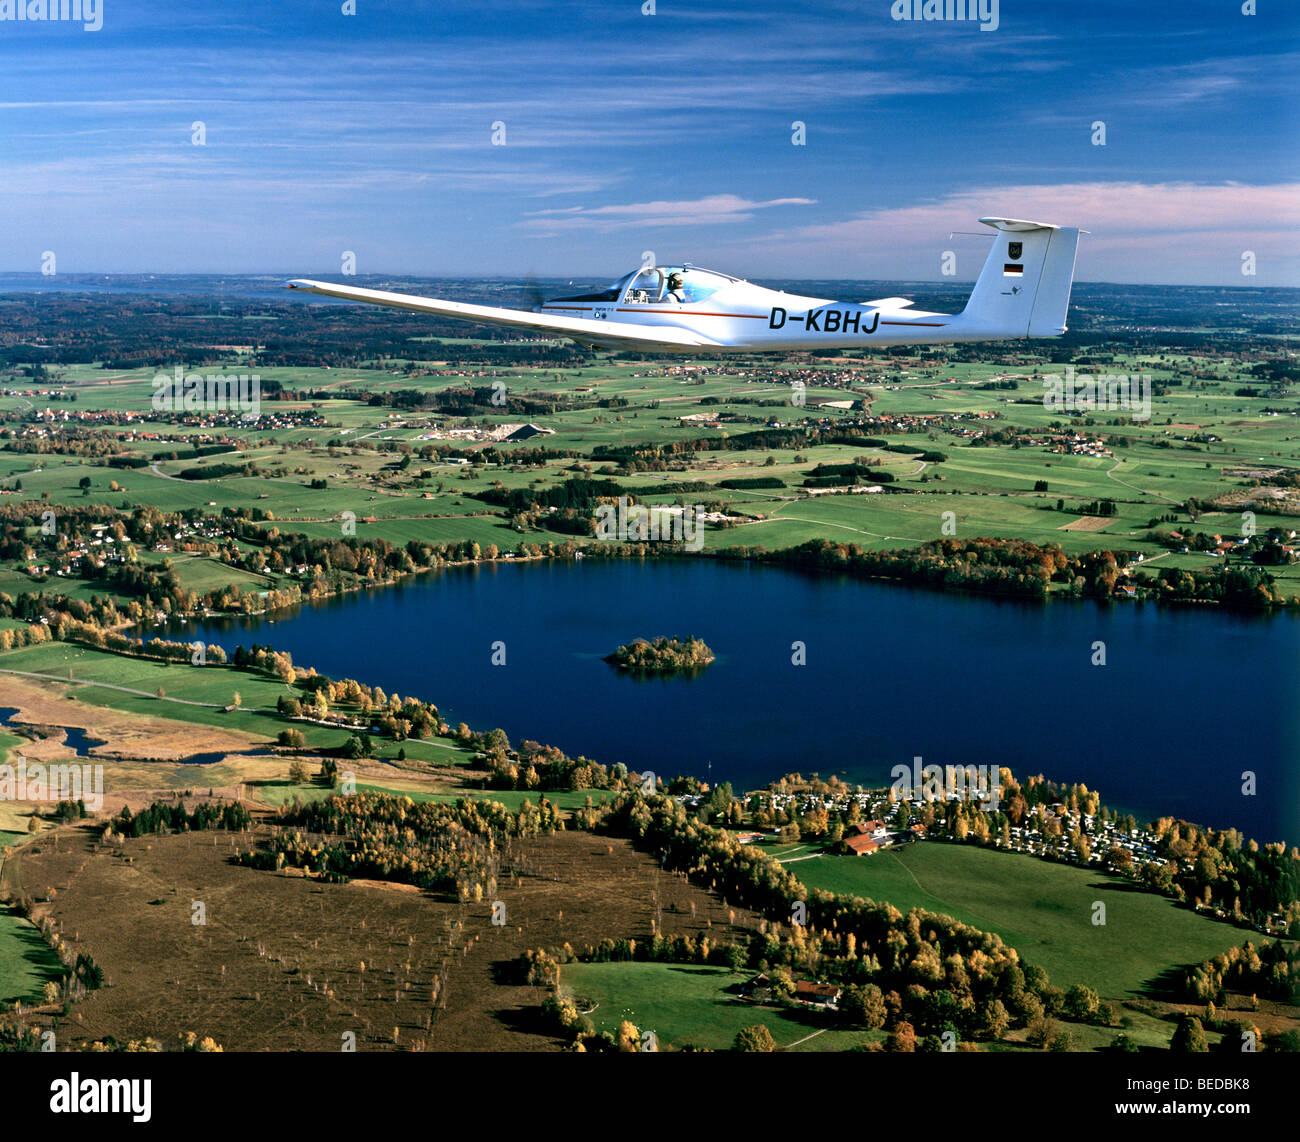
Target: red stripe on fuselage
[[691, 313], [752, 316]]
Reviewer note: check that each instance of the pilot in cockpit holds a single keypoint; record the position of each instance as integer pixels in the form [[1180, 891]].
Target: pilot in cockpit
[[675, 289]]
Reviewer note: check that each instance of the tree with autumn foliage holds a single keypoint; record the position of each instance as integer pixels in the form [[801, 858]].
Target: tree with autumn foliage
[[755, 1037]]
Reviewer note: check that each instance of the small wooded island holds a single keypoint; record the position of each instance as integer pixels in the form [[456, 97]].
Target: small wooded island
[[662, 656]]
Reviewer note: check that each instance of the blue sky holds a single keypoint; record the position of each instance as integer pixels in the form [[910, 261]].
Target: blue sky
[[669, 132]]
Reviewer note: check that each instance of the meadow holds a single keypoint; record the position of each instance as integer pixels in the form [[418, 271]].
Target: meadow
[[1043, 909], [688, 1005], [27, 963], [1198, 437]]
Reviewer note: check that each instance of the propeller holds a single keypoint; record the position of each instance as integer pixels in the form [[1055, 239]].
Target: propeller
[[532, 291]]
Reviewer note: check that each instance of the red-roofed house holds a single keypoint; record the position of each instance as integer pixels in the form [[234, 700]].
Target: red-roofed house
[[816, 994], [868, 828]]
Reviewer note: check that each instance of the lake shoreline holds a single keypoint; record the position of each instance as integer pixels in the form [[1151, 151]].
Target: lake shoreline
[[774, 560], [890, 675]]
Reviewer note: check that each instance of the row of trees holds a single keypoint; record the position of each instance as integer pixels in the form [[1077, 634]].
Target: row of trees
[[1272, 970], [163, 817], [996, 566], [927, 970], [436, 846], [1218, 868], [667, 455]]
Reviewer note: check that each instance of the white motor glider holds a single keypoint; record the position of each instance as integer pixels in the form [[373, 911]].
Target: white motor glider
[[1022, 291]]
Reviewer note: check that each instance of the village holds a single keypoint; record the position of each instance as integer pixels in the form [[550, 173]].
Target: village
[[834, 820], [840, 827], [84, 555]]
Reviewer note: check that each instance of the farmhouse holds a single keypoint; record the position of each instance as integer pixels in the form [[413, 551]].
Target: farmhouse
[[861, 845], [816, 994]]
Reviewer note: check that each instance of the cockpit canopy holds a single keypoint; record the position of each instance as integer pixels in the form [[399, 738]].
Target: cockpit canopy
[[650, 285]]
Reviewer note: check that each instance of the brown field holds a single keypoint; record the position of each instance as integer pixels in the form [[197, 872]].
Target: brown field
[[277, 966], [136, 780], [1271, 1016], [1088, 523], [137, 783], [133, 734]]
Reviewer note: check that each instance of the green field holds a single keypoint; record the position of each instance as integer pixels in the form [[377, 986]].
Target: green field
[[1154, 468], [214, 686], [1043, 909], [7, 742], [688, 1004], [277, 793], [26, 961]]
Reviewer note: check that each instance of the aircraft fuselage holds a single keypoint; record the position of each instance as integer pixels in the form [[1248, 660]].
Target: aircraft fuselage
[[743, 317]]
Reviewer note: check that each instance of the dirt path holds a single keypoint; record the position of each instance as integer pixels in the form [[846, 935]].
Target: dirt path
[[1110, 475], [804, 1039], [824, 523], [133, 735], [111, 686]]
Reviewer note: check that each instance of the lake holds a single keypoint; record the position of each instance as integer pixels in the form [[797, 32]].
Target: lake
[[1188, 699]]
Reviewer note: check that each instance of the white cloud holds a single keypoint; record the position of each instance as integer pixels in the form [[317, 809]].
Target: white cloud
[[713, 209], [1167, 231]]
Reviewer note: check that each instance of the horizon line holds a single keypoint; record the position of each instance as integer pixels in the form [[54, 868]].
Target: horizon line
[[72, 275]]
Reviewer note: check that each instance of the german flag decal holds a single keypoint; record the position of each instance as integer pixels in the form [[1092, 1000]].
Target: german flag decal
[[1013, 270]]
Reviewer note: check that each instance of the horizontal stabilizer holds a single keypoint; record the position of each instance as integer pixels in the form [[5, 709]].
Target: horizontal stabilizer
[[1017, 224]]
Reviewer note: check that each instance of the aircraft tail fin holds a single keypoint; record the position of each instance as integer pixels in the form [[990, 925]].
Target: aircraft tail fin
[[1024, 288]]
